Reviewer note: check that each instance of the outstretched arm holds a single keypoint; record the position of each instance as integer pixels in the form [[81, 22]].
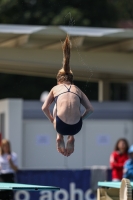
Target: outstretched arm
[[46, 105], [86, 103]]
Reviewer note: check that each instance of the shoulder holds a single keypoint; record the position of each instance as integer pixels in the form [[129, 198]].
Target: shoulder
[[78, 90], [56, 87], [76, 87], [53, 91]]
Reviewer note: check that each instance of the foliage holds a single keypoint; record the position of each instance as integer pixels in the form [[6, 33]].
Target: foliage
[[103, 13], [95, 13], [124, 9]]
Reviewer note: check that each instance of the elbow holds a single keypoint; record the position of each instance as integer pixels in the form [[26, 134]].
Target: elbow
[[90, 110], [43, 108]]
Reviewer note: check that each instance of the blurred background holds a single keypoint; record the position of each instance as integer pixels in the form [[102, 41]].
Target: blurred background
[[31, 36]]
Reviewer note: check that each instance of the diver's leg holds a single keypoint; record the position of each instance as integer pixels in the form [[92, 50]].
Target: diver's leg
[[70, 145], [60, 144], [54, 111], [60, 139], [54, 116]]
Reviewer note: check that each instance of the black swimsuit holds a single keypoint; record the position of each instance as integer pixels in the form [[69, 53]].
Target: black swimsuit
[[67, 129]]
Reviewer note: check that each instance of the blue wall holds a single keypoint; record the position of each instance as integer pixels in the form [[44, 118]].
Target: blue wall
[[74, 184]]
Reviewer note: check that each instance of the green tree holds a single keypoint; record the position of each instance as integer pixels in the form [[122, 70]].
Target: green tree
[[124, 9], [54, 12]]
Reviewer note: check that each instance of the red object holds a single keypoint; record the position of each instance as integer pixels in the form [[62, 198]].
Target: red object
[[117, 161]]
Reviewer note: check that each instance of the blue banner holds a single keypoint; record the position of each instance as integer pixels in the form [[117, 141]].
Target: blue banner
[[74, 184]]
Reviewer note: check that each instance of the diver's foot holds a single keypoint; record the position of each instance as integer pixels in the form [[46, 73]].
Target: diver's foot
[[70, 145], [60, 144]]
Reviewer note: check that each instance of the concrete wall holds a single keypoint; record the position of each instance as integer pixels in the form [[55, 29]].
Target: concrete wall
[[93, 144]]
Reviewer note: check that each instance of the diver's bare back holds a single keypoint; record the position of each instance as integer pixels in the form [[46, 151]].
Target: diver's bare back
[[68, 103]]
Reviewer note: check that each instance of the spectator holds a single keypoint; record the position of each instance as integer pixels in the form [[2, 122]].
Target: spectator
[[8, 167], [118, 158], [128, 167]]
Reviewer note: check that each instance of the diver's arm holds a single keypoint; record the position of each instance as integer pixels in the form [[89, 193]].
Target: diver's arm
[[88, 107], [46, 105]]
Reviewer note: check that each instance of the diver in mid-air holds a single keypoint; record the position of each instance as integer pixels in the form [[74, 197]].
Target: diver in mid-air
[[66, 118]]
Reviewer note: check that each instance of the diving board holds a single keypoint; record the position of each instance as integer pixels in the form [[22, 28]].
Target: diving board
[[109, 184], [115, 190], [17, 186]]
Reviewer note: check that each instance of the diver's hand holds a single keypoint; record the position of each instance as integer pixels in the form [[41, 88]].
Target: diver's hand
[[52, 120]]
